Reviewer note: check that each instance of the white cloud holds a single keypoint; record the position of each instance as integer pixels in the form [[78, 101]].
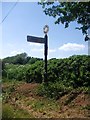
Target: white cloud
[[42, 50], [72, 47], [35, 44], [37, 50]]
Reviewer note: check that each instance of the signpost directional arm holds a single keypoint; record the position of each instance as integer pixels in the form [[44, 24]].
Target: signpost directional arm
[[35, 39]]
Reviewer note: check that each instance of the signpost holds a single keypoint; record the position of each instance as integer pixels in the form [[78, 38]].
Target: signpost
[[45, 53], [42, 41], [35, 39]]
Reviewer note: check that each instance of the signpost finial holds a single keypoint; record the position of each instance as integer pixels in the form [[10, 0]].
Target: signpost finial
[[46, 29]]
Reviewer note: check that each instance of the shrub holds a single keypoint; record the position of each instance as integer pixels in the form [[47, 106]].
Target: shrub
[[72, 71], [53, 90]]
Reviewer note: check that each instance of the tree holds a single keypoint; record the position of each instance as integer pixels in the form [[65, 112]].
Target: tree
[[66, 12], [17, 59]]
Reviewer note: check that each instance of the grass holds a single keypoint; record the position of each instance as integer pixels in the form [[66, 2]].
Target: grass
[[9, 111], [43, 105], [87, 107], [33, 103], [0, 97], [6, 81], [10, 87], [71, 97]]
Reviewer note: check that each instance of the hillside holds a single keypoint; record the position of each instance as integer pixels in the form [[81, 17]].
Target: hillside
[[23, 102]]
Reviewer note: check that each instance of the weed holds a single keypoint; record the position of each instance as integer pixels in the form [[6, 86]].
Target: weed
[[87, 107], [53, 90], [71, 98], [43, 105], [38, 105], [8, 111]]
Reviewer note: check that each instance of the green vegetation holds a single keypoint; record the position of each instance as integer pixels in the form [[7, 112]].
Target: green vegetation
[[11, 112], [20, 59], [17, 105], [53, 90], [86, 107], [10, 86], [66, 77], [23, 100], [43, 105], [72, 71]]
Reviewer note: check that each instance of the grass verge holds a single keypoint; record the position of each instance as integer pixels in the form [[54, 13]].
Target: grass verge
[[9, 111]]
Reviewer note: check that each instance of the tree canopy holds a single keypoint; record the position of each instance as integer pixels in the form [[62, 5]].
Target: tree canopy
[[22, 59], [66, 12]]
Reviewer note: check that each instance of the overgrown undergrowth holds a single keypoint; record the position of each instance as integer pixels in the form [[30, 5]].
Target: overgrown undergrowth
[[57, 90], [9, 111], [27, 100]]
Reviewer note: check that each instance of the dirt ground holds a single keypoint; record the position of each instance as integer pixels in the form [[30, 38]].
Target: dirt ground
[[24, 97]]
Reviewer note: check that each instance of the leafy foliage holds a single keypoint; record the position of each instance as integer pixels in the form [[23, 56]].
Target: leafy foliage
[[72, 71], [53, 90], [66, 12], [20, 59], [34, 72], [63, 74]]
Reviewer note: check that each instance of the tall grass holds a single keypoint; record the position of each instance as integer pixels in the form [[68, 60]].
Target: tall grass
[[9, 111]]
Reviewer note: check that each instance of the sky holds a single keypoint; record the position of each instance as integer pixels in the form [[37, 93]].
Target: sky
[[28, 18]]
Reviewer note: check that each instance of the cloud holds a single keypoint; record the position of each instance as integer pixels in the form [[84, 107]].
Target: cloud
[[37, 50], [35, 44], [72, 47], [42, 50]]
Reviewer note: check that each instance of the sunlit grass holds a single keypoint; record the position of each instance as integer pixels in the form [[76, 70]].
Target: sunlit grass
[[9, 111], [43, 105]]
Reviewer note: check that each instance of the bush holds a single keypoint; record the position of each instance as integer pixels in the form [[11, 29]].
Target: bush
[[53, 90], [72, 71]]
